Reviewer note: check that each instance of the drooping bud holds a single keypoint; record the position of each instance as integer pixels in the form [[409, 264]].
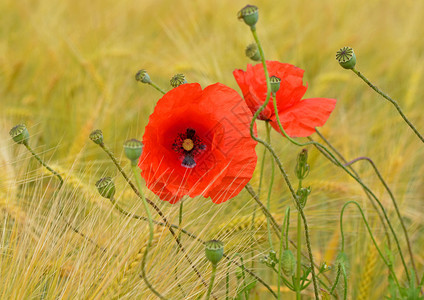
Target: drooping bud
[[214, 251], [106, 187], [97, 136], [133, 149], [20, 134], [275, 84], [346, 57], [252, 52], [288, 263], [177, 80], [249, 14], [142, 76]]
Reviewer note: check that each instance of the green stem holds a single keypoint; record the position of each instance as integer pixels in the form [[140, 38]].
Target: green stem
[[392, 197], [137, 176], [336, 281], [211, 282], [45, 165], [157, 87], [286, 221], [280, 166], [354, 177], [299, 255], [371, 235], [345, 282], [381, 217], [58, 189], [396, 105], [271, 183], [157, 209]]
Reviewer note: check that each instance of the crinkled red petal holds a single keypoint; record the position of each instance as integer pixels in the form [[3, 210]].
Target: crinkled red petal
[[221, 119]]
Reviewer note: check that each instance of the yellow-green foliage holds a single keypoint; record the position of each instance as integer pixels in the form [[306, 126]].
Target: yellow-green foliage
[[67, 67]]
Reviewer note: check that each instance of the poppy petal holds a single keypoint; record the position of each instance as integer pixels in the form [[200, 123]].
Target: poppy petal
[[301, 119]]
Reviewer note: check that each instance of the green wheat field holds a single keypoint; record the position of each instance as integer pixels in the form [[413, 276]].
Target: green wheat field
[[67, 68]]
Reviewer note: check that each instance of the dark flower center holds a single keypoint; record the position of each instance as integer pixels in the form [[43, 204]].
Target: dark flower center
[[188, 145]]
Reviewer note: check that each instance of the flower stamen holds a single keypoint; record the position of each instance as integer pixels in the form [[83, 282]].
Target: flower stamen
[[188, 145]]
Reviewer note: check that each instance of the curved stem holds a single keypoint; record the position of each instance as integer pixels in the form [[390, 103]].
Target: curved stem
[[149, 243], [405, 231], [381, 217], [45, 165], [255, 116], [371, 235], [395, 104]]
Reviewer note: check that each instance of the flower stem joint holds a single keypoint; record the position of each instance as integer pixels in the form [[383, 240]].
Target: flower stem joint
[[249, 14], [133, 149], [20, 134], [177, 80], [106, 187], [214, 251], [97, 136], [346, 57], [142, 76]]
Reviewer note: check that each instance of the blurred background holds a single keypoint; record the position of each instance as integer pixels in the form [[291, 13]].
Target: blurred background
[[67, 68]]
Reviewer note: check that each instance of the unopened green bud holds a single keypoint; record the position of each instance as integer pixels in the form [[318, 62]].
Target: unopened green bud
[[249, 14], [142, 76], [302, 195], [302, 167], [214, 251], [177, 80], [97, 136], [275, 84], [133, 149], [346, 57], [20, 134], [106, 187], [288, 262], [252, 52]]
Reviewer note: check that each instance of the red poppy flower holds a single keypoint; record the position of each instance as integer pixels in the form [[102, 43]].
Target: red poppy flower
[[197, 142], [298, 117]]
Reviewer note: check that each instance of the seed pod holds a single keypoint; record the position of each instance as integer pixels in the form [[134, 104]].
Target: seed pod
[[214, 251], [252, 52], [97, 136], [177, 80], [133, 149], [142, 76], [20, 134], [249, 14], [346, 57], [106, 187]]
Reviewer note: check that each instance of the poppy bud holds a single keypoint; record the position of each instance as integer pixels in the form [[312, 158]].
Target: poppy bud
[[252, 52], [275, 84], [346, 57], [20, 134], [106, 187], [303, 194], [177, 80], [142, 76], [302, 167], [288, 262], [133, 149], [214, 251], [249, 14], [97, 136]]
